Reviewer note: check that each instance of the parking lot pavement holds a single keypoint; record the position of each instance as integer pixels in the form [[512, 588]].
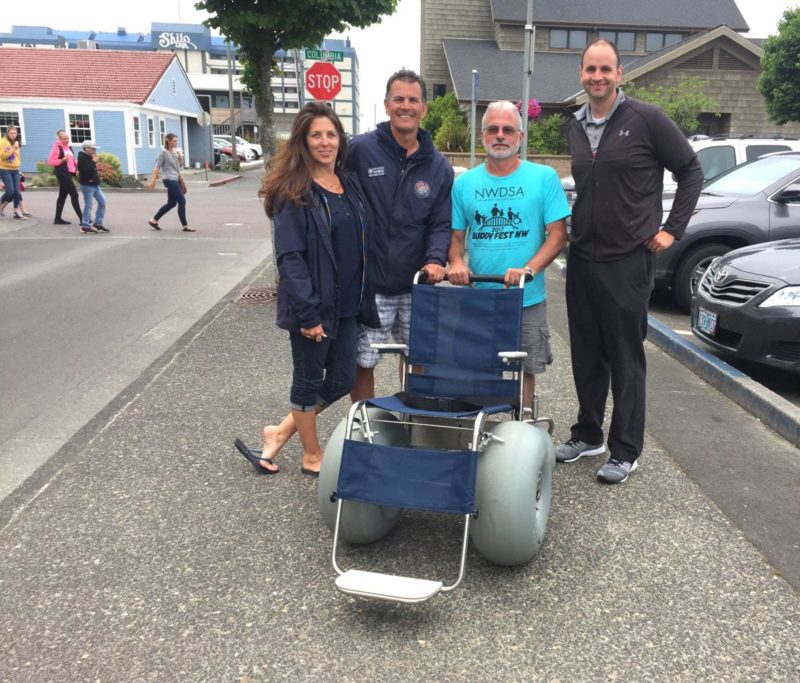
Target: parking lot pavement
[[147, 549]]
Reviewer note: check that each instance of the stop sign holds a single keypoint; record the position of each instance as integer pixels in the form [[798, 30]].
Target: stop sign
[[323, 81]]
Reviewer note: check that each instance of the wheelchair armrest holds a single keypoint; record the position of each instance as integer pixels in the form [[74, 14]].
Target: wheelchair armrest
[[390, 348], [510, 356]]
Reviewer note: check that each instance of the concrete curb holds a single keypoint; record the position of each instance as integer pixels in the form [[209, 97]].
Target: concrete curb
[[223, 181], [773, 410]]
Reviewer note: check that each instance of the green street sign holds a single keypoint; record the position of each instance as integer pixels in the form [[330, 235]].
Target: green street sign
[[325, 55]]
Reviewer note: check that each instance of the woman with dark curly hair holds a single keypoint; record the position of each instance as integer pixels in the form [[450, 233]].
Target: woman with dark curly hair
[[320, 221]]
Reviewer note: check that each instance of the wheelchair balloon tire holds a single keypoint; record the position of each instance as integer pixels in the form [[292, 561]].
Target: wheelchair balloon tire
[[513, 494], [361, 522]]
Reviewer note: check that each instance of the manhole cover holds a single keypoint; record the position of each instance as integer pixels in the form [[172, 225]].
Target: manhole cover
[[256, 295]]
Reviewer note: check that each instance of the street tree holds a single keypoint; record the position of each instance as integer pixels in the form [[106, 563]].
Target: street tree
[[683, 102], [779, 67], [259, 29]]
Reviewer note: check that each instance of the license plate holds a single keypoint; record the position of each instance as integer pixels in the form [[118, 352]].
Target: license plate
[[706, 321]]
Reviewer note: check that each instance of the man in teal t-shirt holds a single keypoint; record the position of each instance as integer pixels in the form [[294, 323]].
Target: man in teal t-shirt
[[509, 215]]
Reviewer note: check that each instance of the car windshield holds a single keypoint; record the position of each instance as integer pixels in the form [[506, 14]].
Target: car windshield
[[754, 177]]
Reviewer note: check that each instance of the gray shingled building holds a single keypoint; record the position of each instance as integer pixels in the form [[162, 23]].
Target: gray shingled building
[[661, 42]]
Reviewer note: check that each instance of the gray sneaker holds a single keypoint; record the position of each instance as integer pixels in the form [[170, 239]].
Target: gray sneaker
[[616, 471], [575, 448]]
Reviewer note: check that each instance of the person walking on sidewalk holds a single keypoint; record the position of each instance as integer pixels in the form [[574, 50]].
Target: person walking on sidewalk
[[64, 166], [10, 160], [523, 241], [320, 220], [620, 147], [407, 183], [89, 180], [169, 164]]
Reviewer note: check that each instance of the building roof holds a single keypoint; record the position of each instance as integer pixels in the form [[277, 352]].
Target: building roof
[[670, 14], [82, 74], [555, 74]]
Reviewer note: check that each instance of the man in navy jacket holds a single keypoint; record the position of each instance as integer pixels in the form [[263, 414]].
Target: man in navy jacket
[[407, 184]]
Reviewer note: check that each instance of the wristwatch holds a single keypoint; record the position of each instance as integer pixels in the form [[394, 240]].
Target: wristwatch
[[529, 271]]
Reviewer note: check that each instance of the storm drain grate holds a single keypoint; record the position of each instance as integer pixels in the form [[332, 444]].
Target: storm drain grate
[[257, 295]]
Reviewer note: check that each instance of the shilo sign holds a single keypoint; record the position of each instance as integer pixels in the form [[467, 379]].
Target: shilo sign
[[181, 41]]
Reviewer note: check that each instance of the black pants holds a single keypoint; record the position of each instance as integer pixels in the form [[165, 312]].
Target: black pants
[[607, 308], [66, 186]]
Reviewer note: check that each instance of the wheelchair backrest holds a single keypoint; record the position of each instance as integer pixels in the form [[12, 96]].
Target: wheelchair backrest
[[456, 334]]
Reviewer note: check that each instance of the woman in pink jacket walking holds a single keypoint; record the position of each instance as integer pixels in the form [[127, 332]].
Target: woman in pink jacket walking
[[63, 161]]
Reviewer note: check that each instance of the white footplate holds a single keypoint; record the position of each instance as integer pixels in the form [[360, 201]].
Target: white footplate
[[387, 586]]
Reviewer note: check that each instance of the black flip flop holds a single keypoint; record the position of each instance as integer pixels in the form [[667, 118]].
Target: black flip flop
[[253, 457], [309, 473]]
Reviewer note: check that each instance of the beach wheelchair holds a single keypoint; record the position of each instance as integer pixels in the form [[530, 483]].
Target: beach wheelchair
[[456, 439]]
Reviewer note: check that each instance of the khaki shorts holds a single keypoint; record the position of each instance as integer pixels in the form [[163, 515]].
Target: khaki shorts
[[536, 339]]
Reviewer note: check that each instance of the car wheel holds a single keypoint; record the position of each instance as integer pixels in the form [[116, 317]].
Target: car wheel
[[690, 270]]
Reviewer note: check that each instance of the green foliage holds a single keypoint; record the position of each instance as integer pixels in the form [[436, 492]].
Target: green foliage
[[779, 69], [438, 109], [43, 168], [453, 134], [261, 28], [682, 103], [546, 136]]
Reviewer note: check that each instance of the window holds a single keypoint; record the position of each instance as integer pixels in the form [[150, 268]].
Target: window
[[624, 40], [10, 118], [80, 128], [151, 132], [221, 101], [754, 151], [162, 129], [715, 160], [656, 41], [562, 39], [137, 132]]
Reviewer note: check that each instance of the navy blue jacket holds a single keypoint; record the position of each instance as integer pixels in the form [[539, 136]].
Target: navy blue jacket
[[409, 202], [308, 290]]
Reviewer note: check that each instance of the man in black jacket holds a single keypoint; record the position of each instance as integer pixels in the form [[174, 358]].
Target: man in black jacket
[[407, 185], [89, 180], [619, 147]]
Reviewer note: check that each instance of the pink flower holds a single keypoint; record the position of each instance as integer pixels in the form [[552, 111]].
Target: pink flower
[[534, 109]]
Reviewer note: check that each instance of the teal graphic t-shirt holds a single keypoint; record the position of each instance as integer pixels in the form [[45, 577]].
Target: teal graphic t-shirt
[[505, 219]]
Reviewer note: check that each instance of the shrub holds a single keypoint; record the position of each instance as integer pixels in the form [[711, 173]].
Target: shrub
[[43, 168], [108, 174], [453, 134], [547, 135], [439, 110], [111, 160]]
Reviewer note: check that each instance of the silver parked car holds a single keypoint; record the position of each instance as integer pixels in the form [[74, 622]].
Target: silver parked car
[[756, 202]]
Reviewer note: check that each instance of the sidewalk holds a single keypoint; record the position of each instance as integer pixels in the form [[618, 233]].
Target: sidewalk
[[147, 549]]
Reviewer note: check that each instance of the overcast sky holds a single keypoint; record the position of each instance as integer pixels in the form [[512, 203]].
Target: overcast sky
[[382, 48]]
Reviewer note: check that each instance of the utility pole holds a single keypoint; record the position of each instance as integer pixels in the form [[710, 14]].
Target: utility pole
[[476, 82], [527, 70], [234, 156]]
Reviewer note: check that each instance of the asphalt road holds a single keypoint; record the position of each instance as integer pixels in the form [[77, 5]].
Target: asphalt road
[[84, 315], [147, 549]]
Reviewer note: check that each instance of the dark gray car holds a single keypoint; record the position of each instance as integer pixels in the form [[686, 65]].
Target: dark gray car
[[756, 202], [748, 304]]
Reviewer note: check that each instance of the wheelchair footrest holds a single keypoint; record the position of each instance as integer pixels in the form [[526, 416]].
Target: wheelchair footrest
[[386, 586]]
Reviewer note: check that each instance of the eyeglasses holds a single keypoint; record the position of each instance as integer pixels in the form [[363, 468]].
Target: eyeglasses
[[508, 131]]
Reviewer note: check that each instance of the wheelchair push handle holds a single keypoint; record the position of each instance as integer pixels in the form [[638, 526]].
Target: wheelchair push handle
[[421, 278]]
